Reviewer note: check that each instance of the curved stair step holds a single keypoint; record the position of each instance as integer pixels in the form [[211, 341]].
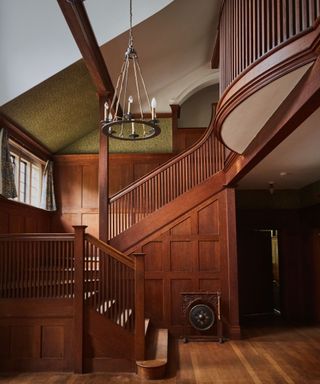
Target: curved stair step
[[154, 367]]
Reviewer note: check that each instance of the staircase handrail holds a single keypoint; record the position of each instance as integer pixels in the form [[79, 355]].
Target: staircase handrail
[[104, 247], [167, 163]]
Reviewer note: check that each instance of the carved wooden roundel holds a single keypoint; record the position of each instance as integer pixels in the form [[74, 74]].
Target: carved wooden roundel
[[201, 317]]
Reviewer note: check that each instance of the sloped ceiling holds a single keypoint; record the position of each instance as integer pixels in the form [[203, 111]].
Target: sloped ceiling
[[174, 47], [58, 111]]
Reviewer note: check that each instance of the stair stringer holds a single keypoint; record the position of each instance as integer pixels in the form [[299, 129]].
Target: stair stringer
[[127, 240], [108, 346]]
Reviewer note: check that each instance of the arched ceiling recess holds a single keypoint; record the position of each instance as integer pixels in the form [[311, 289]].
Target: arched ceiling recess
[[195, 82], [175, 49]]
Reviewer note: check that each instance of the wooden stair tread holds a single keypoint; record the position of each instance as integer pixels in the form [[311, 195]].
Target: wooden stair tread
[[152, 363], [153, 367]]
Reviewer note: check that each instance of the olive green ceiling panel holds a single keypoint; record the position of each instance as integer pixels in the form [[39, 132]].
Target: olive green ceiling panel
[[60, 110], [159, 144]]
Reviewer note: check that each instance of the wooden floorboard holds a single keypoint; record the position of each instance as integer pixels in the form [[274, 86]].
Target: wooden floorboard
[[268, 354]]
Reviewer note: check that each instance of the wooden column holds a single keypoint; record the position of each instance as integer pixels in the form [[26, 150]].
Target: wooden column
[[231, 229], [103, 177], [139, 306], [175, 110], [78, 342]]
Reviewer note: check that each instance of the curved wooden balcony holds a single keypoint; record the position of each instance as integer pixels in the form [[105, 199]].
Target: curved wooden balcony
[[265, 49]]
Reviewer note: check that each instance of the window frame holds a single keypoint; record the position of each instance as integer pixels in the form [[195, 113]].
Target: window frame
[[22, 155]]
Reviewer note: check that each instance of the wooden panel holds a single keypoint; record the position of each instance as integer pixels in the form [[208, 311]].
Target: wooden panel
[[209, 285], [16, 224], [76, 185], [187, 260], [209, 219], [154, 256], [36, 336], [52, 341], [16, 217], [154, 308], [178, 286], [5, 341], [183, 228], [69, 185], [181, 256], [92, 221], [90, 186], [209, 256], [25, 342]]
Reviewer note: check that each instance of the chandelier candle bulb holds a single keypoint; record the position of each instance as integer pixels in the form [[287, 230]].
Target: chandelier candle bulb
[[110, 117], [106, 107], [153, 108], [130, 101]]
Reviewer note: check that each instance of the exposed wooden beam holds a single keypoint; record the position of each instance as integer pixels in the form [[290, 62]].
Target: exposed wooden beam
[[297, 107], [79, 24]]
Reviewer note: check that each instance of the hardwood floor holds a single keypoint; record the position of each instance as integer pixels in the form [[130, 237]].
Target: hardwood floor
[[269, 354]]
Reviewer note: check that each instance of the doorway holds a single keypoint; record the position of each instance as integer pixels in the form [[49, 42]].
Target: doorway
[[259, 273]]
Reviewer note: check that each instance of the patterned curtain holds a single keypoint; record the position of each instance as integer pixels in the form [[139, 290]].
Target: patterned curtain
[[7, 185], [48, 200]]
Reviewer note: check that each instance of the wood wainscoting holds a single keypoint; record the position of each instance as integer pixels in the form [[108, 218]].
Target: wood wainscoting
[[17, 217], [193, 252], [76, 185], [36, 335]]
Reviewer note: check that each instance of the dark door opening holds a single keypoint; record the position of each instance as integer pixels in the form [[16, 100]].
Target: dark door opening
[[259, 275]]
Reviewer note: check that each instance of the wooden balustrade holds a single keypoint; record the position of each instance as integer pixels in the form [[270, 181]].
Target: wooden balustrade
[[166, 183], [110, 279], [249, 29], [37, 266]]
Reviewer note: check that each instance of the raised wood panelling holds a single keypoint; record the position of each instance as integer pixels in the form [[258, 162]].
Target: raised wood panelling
[[195, 251], [17, 217], [76, 185], [37, 335], [189, 255]]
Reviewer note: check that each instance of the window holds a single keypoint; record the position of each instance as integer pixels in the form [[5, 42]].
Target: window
[[27, 170]]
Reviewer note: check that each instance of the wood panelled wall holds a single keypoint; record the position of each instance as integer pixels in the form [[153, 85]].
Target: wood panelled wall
[[76, 185], [191, 254], [37, 336], [22, 218]]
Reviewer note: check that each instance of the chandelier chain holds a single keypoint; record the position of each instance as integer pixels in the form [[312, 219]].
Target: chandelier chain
[[130, 31]]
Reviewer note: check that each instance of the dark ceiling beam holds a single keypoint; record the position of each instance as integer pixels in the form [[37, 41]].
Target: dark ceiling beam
[[80, 27], [302, 101]]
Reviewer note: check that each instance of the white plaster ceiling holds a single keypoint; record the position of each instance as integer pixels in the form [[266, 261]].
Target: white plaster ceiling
[[294, 164], [247, 119], [174, 48], [36, 43]]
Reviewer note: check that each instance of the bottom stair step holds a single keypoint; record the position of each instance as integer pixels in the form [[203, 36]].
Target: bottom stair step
[[154, 367]]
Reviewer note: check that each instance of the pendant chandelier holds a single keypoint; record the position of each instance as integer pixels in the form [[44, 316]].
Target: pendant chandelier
[[120, 123]]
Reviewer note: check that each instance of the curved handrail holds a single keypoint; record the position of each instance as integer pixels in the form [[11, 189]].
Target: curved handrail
[[163, 166], [250, 30], [168, 181]]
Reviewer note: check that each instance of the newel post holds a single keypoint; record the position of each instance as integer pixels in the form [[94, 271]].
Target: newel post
[[78, 339], [139, 306]]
